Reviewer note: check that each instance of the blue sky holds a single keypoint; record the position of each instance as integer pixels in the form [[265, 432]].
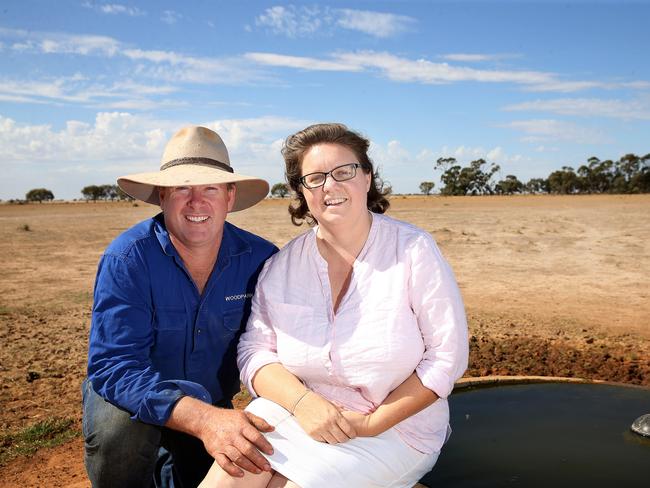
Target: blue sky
[[91, 90]]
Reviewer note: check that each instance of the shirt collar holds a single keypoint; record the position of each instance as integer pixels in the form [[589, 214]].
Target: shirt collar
[[232, 243], [163, 236]]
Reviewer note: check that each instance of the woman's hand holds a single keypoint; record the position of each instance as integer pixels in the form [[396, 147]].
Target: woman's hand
[[322, 421], [361, 423]]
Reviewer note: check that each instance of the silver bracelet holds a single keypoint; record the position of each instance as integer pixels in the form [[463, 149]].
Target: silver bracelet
[[293, 409]]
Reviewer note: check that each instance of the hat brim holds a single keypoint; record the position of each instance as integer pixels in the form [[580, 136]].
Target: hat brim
[[143, 186]]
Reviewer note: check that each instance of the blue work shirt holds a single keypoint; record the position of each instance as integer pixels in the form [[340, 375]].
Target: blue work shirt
[[153, 338]]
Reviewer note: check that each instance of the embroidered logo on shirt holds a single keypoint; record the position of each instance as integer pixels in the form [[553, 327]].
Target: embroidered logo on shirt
[[241, 296]]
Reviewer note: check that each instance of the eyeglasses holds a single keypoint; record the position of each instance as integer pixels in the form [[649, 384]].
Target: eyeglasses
[[340, 173]]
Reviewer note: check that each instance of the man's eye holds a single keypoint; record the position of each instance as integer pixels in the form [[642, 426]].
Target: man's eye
[[211, 190], [182, 189]]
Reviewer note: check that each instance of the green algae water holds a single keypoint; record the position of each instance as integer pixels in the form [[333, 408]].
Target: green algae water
[[545, 435]]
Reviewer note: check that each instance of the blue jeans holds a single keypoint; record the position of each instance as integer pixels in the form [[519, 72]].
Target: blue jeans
[[120, 452]]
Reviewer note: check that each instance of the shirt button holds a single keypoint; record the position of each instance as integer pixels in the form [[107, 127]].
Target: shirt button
[[198, 331]]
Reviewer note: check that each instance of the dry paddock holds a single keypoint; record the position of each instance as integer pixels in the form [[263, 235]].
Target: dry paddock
[[554, 285]]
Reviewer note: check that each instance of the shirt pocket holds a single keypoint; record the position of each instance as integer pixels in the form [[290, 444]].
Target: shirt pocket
[[232, 319], [295, 333], [168, 348]]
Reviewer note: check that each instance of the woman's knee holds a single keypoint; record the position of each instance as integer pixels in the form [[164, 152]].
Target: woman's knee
[[217, 477], [279, 481]]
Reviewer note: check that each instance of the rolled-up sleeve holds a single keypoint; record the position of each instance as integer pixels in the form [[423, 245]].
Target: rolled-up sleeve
[[257, 345], [438, 306], [121, 338]]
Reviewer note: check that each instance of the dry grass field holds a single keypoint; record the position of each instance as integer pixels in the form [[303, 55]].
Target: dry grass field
[[554, 285]]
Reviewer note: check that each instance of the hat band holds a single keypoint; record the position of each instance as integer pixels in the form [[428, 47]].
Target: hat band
[[198, 161]]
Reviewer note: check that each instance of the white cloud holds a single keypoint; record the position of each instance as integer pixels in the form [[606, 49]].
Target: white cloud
[[301, 62], [638, 109], [177, 67], [465, 154], [428, 72], [565, 86], [125, 94], [542, 130], [476, 58], [54, 90], [154, 56], [166, 65], [141, 104], [394, 154], [112, 137], [255, 141], [556, 85], [170, 17], [424, 71], [543, 148], [61, 43], [399, 166], [23, 46], [403, 69], [18, 99], [84, 45], [292, 21], [306, 21], [114, 9], [495, 154], [636, 85], [376, 24], [117, 143], [405, 168]]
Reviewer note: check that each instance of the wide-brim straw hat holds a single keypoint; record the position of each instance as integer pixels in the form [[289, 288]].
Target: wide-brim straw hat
[[194, 156]]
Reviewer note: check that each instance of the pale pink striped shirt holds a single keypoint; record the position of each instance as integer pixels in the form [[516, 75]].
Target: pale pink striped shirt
[[401, 313]]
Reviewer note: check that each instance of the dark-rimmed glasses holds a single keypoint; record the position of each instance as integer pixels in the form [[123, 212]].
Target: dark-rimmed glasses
[[340, 173]]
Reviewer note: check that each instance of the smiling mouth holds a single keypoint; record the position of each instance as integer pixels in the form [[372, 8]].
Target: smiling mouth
[[197, 219], [332, 202]]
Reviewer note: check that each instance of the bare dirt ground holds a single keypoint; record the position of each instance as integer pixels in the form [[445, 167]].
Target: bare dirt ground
[[554, 285]]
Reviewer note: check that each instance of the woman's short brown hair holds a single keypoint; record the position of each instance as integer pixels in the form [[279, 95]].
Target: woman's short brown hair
[[296, 146]]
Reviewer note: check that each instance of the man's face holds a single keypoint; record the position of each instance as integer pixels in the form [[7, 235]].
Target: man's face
[[194, 215]]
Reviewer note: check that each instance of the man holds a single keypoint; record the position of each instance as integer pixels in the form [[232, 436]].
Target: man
[[171, 297]]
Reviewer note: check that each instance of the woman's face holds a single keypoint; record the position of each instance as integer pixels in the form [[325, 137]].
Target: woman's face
[[335, 202]]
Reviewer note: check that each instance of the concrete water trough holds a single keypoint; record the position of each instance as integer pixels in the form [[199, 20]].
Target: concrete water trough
[[546, 432]]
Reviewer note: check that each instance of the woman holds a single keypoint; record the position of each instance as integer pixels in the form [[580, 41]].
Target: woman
[[357, 332]]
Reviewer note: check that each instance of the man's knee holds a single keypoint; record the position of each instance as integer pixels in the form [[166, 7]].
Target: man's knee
[[116, 448]]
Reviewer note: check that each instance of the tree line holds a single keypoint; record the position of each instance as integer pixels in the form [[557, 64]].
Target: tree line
[[104, 192], [629, 174], [89, 193], [114, 192]]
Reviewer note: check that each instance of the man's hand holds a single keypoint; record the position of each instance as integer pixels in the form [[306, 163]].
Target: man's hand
[[322, 421], [232, 437]]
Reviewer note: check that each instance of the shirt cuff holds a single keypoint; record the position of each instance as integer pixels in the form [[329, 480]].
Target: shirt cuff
[[158, 403], [257, 362], [435, 380]]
